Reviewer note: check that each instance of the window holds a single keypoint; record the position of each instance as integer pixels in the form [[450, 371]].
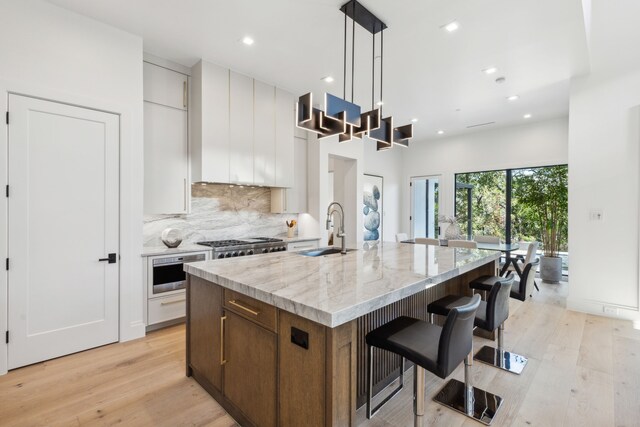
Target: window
[[504, 203]]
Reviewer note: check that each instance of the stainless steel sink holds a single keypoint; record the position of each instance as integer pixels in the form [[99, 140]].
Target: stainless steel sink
[[322, 252]]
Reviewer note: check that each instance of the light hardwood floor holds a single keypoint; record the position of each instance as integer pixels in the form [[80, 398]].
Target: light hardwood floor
[[583, 371]]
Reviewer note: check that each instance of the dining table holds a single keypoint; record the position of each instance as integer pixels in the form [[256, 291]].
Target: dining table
[[505, 248]]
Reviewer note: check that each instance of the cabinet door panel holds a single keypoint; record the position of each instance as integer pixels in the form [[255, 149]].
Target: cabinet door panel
[[210, 157], [205, 312], [285, 107], [250, 370], [164, 86], [264, 140], [166, 162], [240, 128]]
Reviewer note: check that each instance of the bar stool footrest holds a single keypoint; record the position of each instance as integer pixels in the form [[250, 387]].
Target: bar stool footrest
[[391, 395], [505, 360], [483, 409]]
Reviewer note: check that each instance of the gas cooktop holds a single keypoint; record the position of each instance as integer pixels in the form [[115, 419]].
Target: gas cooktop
[[255, 245]]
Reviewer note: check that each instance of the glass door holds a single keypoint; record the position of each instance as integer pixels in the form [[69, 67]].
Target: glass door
[[424, 206]]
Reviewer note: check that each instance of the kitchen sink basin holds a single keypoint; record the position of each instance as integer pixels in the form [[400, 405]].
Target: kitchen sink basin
[[322, 252]]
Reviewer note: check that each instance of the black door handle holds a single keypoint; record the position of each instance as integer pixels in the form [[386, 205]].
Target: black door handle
[[111, 259]]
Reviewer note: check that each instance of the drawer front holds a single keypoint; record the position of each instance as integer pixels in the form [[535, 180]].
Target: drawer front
[[252, 309], [298, 246], [166, 308]]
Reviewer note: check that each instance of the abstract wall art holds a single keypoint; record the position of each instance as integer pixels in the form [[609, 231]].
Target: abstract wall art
[[372, 207]]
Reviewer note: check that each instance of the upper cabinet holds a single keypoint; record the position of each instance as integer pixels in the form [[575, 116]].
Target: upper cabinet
[[294, 198], [209, 123], [264, 138], [165, 87], [285, 110], [166, 149], [242, 129]]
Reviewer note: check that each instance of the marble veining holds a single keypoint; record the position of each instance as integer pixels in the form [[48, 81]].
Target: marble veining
[[336, 289], [220, 211]]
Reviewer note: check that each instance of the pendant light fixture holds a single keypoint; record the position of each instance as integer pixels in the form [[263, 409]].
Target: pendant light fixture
[[345, 118]]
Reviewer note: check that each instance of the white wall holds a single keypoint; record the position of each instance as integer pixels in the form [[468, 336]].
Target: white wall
[[387, 164], [319, 154], [603, 175], [55, 54], [604, 134], [533, 144]]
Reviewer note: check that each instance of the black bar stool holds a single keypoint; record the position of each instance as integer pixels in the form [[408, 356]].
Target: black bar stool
[[439, 350], [490, 316]]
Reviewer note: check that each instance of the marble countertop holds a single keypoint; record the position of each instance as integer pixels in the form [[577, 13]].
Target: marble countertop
[[335, 289]]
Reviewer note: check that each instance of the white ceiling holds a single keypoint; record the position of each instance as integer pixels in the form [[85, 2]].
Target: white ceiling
[[428, 73]]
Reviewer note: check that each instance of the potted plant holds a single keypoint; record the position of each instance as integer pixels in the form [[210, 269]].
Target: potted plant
[[544, 194]]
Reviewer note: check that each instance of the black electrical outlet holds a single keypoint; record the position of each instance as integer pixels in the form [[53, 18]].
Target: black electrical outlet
[[300, 338]]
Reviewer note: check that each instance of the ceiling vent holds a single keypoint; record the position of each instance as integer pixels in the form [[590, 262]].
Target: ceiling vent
[[480, 124]]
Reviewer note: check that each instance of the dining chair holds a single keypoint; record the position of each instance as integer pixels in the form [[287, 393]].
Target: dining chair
[[427, 241], [469, 244], [401, 236], [518, 264], [487, 239]]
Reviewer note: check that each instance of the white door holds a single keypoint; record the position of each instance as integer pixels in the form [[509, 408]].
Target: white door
[[63, 218], [424, 206]]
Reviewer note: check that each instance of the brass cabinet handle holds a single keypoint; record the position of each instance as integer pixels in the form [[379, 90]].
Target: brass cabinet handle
[[173, 302], [184, 94], [222, 359], [185, 195], [247, 309]]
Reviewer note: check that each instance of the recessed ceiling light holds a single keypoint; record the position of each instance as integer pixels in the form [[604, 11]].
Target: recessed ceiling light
[[513, 98], [379, 103], [490, 70], [247, 40], [328, 79], [440, 132], [527, 116], [452, 26], [414, 120]]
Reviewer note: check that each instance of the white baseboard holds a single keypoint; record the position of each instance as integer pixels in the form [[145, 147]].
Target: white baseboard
[[598, 308], [134, 331]]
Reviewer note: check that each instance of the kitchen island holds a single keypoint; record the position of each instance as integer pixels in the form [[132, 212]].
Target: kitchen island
[[278, 339]]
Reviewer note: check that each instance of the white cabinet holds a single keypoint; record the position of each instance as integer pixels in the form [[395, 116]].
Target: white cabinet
[[285, 110], [240, 129], [164, 86], [166, 150], [264, 138], [293, 199], [209, 123]]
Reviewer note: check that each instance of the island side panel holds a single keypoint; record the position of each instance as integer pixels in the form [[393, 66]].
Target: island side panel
[[204, 319], [387, 365], [341, 375], [317, 383]]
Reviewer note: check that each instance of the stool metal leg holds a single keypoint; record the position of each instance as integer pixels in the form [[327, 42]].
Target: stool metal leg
[[431, 318], [468, 388], [418, 396], [473, 402], [500, 358], [372, 411]]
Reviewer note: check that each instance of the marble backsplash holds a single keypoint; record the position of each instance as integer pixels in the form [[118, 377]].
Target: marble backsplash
[[220, 211]]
